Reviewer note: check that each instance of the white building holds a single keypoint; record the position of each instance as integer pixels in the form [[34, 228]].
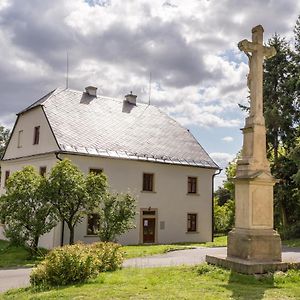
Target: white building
[[138, 147]]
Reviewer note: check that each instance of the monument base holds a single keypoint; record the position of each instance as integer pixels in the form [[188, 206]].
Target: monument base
[[256, 245], [249, 267]]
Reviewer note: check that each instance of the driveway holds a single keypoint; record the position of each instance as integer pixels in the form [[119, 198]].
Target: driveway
[[14, 278]]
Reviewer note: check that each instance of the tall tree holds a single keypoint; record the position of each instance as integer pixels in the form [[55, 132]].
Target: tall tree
[[73, 195], [281, 112], [25, 208]]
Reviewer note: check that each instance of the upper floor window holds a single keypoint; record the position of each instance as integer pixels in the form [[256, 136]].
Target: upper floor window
[[7, 174], [36, 135], [20, 138], [191, 222], [192, 185], [92, 224], [96, 171], [148, 180], [43, 171]]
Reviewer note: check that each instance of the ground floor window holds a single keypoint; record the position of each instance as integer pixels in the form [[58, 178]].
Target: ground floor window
[[92, 224], [191, 222]]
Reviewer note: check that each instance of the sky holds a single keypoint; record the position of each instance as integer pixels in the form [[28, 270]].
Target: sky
[[198, 75]]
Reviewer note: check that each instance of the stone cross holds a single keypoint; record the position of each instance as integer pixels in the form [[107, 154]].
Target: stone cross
[[255, 76]]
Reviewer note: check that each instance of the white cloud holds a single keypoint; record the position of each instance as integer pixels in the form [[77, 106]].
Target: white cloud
[[198, 74], [227, 139], [222, 158]]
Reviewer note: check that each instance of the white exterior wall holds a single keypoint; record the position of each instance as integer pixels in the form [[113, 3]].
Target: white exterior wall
[[170, 197], [27, 122]]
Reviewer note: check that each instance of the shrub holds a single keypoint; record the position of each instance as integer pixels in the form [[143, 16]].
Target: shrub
[[109, 255], [76, 263]]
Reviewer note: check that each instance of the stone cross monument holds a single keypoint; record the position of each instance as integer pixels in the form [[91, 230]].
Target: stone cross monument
[[253, 245], [253, 237]]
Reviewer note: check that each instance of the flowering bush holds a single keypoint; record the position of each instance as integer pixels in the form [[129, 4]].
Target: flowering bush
[[76, 263]]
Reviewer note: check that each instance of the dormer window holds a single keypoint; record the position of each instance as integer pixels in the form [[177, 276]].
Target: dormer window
[[36, 136]]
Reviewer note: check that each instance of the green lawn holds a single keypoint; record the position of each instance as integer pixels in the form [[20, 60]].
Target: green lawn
[[202, 282], [11, 256]]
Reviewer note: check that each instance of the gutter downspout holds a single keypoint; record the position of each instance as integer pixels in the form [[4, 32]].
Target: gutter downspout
[[63, 222], [212, 204]]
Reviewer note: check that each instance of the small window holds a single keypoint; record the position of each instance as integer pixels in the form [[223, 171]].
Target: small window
[[92, 224], [7, 173], [43, 171], [20, 139], [96, 171], [149, 212], [192, 222], [148, 182], [36, 136], [192, 185]]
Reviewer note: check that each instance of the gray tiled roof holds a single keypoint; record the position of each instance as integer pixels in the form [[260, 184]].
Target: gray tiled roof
[[115, 128]]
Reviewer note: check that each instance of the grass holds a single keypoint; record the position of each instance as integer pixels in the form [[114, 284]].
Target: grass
[[12, 256], [291, 243], [201, 282]]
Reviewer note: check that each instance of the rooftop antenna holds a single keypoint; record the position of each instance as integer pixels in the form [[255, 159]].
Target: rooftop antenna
[[149, 88], [67, 75]]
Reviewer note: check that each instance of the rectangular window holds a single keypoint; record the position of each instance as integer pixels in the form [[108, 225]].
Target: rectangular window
[[7, 173], [192, 185], [92, 224], [36, 136], [148, 182], [191, 222], [43, 171], [96, 171], [20, 138]]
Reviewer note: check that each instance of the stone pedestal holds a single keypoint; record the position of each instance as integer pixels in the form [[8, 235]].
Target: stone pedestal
[[256, 245]]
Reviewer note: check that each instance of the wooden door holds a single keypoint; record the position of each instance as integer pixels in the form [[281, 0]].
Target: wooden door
[[148, 230]]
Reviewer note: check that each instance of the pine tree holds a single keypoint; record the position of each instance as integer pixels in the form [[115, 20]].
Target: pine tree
[[281, 112]]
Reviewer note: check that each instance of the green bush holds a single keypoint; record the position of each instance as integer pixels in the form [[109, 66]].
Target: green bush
[[223, 216], [109, 255], [76, 263]]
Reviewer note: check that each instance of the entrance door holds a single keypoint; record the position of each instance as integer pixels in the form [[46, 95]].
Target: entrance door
[[148, 230]]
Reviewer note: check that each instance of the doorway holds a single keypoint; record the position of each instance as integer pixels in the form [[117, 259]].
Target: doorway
[[148, 228]]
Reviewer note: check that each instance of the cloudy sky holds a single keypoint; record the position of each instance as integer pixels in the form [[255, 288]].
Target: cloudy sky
[[198, 75]]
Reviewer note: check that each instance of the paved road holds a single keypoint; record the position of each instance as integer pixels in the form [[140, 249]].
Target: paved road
[[20, 277], [174, 258], [14, 278]]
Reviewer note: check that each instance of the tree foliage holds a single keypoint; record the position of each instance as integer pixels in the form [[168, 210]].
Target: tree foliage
[[25, 208], [281, 110], [72, 195], [4, 136], [117, 214]]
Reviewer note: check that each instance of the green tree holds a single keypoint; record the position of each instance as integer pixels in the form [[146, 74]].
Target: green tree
[[25, 208], [222, 195], [281, 110], [4, 136], [73, 195], [117, 214]]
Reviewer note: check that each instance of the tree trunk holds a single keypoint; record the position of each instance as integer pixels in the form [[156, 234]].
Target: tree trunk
[[34, 246], [72, 231]]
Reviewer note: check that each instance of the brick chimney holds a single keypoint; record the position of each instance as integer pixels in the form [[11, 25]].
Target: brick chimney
[[130, 98], [91, 90]]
